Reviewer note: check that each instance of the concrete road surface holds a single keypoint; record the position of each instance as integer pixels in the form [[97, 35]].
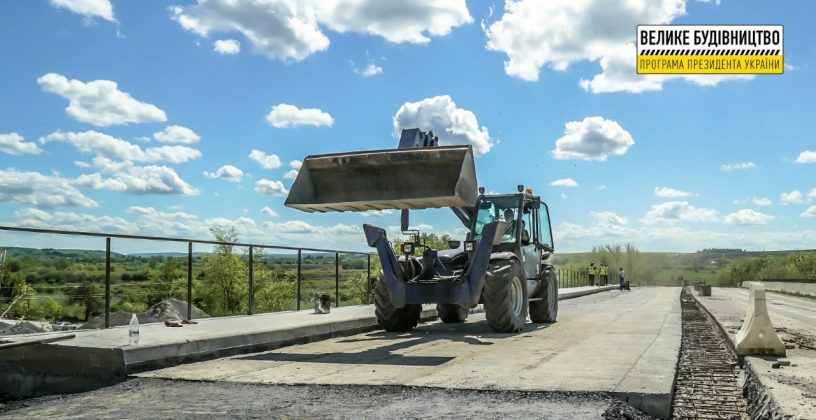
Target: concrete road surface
[[794, 318], [624, 343]]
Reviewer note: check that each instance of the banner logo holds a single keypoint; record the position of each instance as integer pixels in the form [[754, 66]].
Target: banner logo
[[710, 49]]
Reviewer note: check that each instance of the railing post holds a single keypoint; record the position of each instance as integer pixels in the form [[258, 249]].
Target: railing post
[[107, 282], [189, 280], [251, 303], [298, 279], [337, 279], [368, 282]]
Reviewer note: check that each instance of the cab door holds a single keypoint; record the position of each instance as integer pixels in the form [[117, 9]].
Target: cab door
[[531, 257]]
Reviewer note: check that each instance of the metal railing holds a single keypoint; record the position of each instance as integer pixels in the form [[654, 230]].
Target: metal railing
[[190, 242]]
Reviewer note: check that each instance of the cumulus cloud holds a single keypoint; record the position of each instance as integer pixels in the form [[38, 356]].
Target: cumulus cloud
[[453, 125], [227, 46], [672, 212], [608, 217], [36, 189], [291, 174], [100, 102], [810, 212], [806, 157], [731, 167], [747, 217], [565, 182], [266, 161], [268, 212], [761, 201], [87, 8], [290, 31], [114, 148], [227, 172], [15, 144], [793, 197], [666, 192], [74, 221], [370, 70], [558, 33], [128, 178], [295, 164], [286, 116], [270, 187], [176, 134], [378, 213], [594, 138]]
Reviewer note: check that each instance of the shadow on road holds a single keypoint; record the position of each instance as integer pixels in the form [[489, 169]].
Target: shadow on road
[[394, 344]]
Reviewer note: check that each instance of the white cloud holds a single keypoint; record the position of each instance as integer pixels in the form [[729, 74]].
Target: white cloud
[[295, 164], [227, 46], [672, 212], [594, 138], [291, 174], [812, 194], [407, 21], [747, 217], [100, 102], [810, 212], [14, 144], [290, 30], [600, 187], [762, 201], [793, 197], [558, 33], [731, 167], [286, 116], [88, 8], [666, 192], [563, 196], [266, 161], [806, 157], [82, 164], [608, 217], [176, 134], [453, 125], [268, 212], [128, 178], [227, 172], [111, 147], [74, 221], [378, 213], [270, 187], [370, 70], [564, 182], [36, 189]]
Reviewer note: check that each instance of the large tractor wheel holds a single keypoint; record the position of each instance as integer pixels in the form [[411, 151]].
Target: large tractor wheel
[[452, 314], [546, 309], [389, 317], [505, 297]]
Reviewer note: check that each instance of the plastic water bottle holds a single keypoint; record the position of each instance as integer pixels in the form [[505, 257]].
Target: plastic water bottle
[[133, 334]]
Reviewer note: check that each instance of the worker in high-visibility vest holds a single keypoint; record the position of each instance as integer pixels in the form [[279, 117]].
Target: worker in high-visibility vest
[[604, 271], [592, 271]]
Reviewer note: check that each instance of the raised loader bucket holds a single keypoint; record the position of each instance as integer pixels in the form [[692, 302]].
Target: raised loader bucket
[[419, 178]]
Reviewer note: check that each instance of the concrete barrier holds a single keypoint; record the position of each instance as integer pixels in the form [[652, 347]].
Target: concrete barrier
[[793, 287], [757, 336]]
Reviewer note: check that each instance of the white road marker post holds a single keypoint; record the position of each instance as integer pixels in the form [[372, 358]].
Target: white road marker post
[[757, 336]]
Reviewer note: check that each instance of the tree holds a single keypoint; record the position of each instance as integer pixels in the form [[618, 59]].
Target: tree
[[168, 273], [225, 275], [89, 296], [805, 263]]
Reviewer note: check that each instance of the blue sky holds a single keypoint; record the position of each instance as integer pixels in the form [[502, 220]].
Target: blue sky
[[117, 116]]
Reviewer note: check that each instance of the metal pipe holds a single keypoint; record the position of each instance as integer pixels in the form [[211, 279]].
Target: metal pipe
[[368, 282], [251, 299], [189, 280], [298, 279], [107, 282], [337, 279]]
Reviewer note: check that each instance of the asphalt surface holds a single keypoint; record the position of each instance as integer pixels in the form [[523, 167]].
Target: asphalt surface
[[158, 398]]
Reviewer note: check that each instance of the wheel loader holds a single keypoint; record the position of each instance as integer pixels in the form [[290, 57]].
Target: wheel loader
[[502, 263]]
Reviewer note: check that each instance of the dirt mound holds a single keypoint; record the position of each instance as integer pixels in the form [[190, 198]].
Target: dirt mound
[[15, 327], [169, 309]]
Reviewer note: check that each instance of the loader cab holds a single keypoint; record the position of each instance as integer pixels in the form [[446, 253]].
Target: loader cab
[[528, 234]]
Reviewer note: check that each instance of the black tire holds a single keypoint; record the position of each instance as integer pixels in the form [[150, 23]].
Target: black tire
[[546, 309], [452, 314], [391, 318], [505, 297]]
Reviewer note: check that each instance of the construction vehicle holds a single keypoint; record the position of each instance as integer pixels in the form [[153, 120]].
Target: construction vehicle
[[503, 263]]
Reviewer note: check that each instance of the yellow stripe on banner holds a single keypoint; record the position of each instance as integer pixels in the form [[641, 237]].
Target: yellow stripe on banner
[[710, 64]]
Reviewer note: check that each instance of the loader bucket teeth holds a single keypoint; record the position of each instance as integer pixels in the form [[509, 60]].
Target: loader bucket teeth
[[431, 177]]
